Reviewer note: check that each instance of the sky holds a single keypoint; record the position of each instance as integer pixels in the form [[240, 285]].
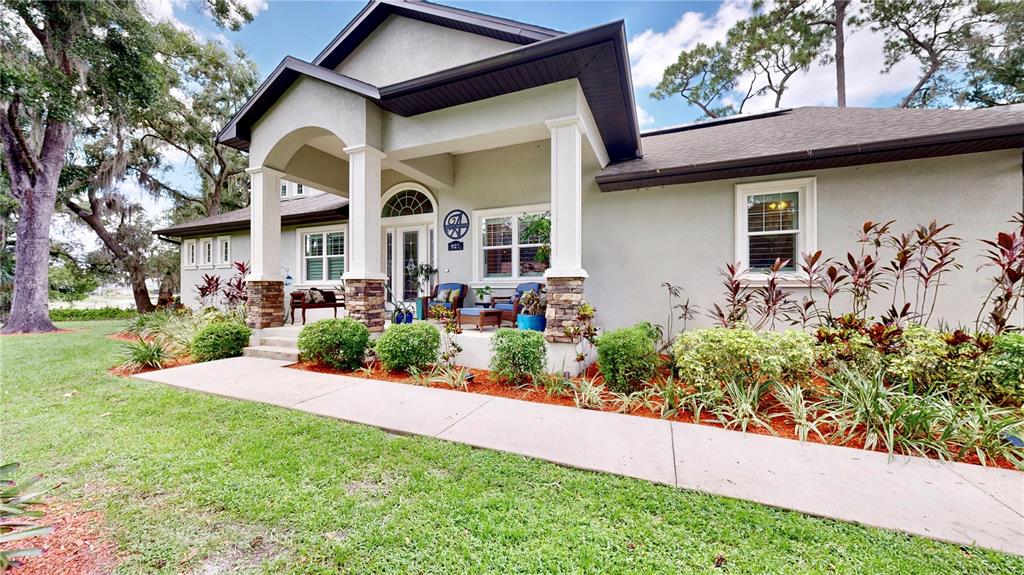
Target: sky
[[657, 32]]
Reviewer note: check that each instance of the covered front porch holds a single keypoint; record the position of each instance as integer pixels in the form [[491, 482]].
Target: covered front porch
[[447, 188]]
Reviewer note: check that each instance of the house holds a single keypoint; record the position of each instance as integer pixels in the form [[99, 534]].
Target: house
[[424, 133]]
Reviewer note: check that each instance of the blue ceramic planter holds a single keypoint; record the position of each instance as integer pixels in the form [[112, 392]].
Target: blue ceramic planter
[[531, 322], [403, 317]]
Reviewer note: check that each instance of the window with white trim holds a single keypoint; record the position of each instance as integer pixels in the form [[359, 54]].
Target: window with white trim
[[322, 253], [775, 220], [188, 253], [224, 251], [299, 189], [206, 253], [503, 250], [284, 189]]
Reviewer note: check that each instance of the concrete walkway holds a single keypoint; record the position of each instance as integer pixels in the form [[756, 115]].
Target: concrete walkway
[[960, 503]]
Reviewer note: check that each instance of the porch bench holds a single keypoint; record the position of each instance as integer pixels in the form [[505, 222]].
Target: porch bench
[[328, 300]]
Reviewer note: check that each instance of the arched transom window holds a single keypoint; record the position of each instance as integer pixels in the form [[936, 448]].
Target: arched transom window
[[407, 203]]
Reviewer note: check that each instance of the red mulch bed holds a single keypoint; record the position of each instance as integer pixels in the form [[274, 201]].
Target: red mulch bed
[[175, 362], [124, 336], [484, 382], [78, 545]]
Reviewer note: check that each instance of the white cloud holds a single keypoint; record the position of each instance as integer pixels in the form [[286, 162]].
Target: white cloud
[[643, 116], [651, 52], [865, 82], [166, 10]]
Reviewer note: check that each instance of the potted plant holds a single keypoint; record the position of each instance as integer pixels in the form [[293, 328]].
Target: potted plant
[[422, 274], [532, 307], [401, 311], [483, 295]]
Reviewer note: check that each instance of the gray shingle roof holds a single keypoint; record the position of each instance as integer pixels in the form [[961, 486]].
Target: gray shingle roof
[[717, 149], [318, 208]]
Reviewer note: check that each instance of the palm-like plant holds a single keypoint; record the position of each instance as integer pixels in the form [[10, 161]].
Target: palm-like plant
[[17, 500]]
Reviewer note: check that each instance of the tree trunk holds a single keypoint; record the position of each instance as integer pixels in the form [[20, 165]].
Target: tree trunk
[[132, 262], [30, 311], [840, 25], [139, 290], [165, 297]]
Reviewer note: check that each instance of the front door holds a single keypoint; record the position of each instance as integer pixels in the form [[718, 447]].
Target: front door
[[408, 246]]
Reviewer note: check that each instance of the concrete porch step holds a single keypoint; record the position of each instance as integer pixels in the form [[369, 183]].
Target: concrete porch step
[[277, 341], [272, 352]]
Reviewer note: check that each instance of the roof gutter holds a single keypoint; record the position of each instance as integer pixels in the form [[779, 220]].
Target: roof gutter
[[720, 170]]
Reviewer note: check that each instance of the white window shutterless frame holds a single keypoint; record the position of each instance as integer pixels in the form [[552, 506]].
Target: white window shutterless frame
[[321, 254], [502, 253], [776, 219]]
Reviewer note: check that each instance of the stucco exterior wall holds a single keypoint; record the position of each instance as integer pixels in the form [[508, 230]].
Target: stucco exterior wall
[[512, 176], [402, 48], [635, 240]]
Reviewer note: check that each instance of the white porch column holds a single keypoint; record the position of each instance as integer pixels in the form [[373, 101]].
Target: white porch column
[[566, 275], [566, 198], [364, 282], [364, 213], [265, 224]]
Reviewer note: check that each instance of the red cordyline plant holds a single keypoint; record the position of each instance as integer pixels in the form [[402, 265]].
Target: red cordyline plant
[[737, 298], [208, 289], [936, 255], [812, 271], [234, 291], [865, 275], [770, 301], [1006, 255]]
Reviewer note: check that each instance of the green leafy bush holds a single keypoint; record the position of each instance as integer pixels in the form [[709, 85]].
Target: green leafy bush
[[626, 357], [1005, 370], [142, 353], [339, 343], [72, 314], [219, 340], [708, 358], [920, 362], [518, 354], [405, 345]]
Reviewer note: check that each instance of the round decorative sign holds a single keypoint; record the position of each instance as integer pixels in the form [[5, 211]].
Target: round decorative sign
[[456, 224]]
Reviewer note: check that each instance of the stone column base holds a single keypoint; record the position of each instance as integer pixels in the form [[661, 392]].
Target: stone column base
[[564, 298], [264, 305], [364, 302]]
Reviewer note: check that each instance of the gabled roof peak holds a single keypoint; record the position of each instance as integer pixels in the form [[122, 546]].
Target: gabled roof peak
[[375, 12]]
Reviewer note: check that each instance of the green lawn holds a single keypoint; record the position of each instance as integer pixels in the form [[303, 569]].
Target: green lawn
[[190, 482]]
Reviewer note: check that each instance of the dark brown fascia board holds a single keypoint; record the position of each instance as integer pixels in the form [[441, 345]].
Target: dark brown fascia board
[[243, 225], [1001, 137], [377, 11], [236, 133]]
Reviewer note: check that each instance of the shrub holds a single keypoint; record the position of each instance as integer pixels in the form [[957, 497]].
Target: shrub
[[921, 360], [405, 345], [219, 340], [710, 357], [142, 353], [72, 314], [518, 354], [626, 357], [339, 343], [1005, 370]]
